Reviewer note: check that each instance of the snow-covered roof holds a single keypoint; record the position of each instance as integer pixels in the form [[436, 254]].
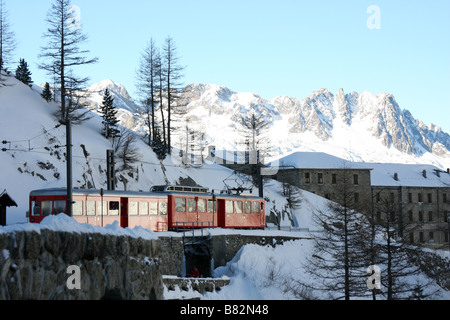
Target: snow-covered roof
[[381, 174], [412, 175], [315, 160], [6, 200]]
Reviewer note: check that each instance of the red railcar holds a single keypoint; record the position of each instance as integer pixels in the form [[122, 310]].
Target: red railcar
[[163, 208]]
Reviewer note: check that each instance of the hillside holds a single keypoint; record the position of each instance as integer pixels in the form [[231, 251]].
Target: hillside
[[33, 159]]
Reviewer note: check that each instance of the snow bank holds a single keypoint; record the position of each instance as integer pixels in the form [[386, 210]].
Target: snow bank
[[64, 223]]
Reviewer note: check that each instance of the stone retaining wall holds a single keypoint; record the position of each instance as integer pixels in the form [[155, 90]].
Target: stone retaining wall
[[35, 265], [39, 265]]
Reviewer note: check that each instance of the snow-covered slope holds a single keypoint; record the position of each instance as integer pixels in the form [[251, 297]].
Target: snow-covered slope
[[35, 159]]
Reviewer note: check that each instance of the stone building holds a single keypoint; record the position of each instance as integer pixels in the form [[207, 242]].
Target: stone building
[[418, 195], [328, 176], [421, 196]]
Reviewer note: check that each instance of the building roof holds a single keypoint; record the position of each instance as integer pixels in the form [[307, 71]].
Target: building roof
[[315, 160], [381, 174], [6, 200], [408, 175]]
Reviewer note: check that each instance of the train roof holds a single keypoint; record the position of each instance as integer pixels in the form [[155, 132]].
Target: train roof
[[154, 192]]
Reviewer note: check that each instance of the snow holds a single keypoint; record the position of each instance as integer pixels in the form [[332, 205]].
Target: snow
[[381, 174], [256, 272]]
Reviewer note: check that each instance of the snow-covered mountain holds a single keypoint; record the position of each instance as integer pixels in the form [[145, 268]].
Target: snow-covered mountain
[[355, 126]]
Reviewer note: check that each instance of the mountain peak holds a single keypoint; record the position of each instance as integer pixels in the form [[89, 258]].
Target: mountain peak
[[111, 86]]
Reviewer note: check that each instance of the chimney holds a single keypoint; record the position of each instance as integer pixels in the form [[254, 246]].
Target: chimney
[[396, 176], [448, 170], [424, 173]]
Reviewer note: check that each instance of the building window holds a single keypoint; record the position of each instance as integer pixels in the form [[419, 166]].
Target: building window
[[419, 197], [410, 216], [421, 216], [429, 198], [430, 215], [333, 178], [392, 197], [431, 236], [411, 237], [356, 197], [410, 197], [444, 197], [378, 197], [421, 239], [320, 178], [355, 179], [307, 178]]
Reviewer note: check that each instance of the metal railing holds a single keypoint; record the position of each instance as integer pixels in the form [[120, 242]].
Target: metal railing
[[187, 227]]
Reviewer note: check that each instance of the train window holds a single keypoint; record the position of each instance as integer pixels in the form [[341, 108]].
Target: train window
[[36, 208], [77, 208], [163, 208], [153, 206], [114, 208], [180, 204], [192, 207], [143, 208], [90, 208], [201, 205], [247, 207], [238, 206], [211, 206], [228, 206], [46, 208], [255, 207], [59, 206], [133, 208], [101, 206]]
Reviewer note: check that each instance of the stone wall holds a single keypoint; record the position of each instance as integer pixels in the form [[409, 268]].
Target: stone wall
[[39, 265], [35, 265]]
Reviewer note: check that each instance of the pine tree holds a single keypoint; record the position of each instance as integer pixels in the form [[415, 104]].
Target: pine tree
[[7, 42], [61, 55], [23, 73], [158, 145], [109, 115], [46, 93]]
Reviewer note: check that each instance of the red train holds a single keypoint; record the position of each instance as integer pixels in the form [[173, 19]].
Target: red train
[[163, 208]]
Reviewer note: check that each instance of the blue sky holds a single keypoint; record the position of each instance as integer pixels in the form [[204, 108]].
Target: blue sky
[[269, 47]]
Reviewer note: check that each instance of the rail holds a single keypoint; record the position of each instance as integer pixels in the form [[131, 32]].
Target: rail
[[186, 227]]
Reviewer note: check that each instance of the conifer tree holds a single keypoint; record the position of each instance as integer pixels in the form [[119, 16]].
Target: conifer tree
[[46, 93], [158, 145], [109, 115], [62, 54], [23, 74]]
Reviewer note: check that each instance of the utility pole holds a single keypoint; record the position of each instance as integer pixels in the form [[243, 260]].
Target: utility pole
[[110, 170], [258, 172], [69, 166]]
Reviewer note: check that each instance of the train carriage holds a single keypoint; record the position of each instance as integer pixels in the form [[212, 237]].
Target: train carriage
[[243, 212], [162, 208]]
